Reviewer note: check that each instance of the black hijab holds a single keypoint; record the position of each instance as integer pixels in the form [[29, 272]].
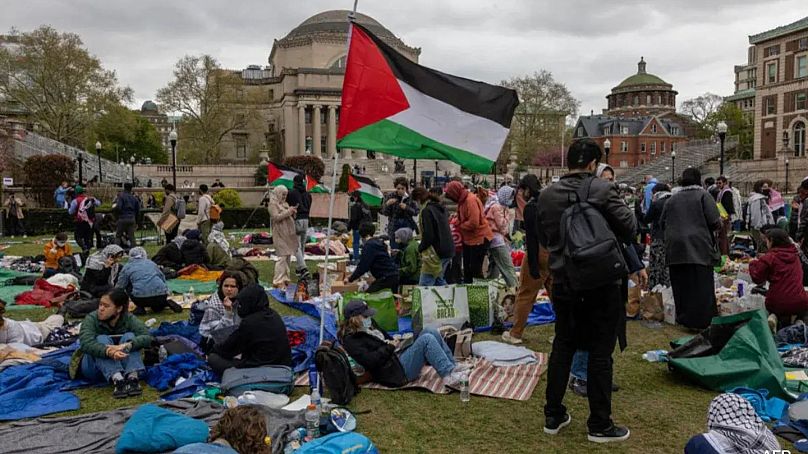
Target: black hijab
[[252, 299]]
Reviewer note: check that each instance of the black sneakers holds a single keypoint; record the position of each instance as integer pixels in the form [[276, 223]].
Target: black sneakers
[[133, 387], [139, 311], [121, 389], [174, 306], [614, 433], [552, 425], [577, 386]]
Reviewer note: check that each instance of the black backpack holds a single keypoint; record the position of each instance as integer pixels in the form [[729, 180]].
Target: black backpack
[[592, 255], [336, 372]]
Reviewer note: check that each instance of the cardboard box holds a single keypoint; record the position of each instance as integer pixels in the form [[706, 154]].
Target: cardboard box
[[344, 287]]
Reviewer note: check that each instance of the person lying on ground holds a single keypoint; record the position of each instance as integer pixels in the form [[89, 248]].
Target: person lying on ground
[[409, 258], [260, 338], [219, 311], [380, 355], [193, 251], [54, 250], [376, 260], [733, 426], [110, 342], [218, 248], [170, 256], [102, 270], [145, 283], [239, 430], [26, 332]]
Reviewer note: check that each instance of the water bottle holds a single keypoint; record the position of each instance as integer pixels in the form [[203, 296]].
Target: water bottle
[[316, 401], [191, 295], [313, 377], [150, 322], [465, 396], [297, 434], [654, 356], [163, 353], [312, 422], [740, 289]]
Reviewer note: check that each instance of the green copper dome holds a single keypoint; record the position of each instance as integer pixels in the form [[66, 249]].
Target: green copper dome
[[641, 78]]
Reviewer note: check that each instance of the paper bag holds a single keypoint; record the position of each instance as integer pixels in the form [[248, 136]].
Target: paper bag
[[168, 223], [651, 307]]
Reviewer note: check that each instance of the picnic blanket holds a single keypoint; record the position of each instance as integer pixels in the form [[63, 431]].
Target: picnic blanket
[[184, 285], [199, 274], [514, 383], [8, 293]]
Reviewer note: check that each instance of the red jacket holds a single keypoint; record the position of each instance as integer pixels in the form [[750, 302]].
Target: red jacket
[[781, 267]]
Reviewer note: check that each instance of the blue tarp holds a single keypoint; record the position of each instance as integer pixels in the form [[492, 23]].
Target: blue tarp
[[161, 376], [303, 354], [181, 328]]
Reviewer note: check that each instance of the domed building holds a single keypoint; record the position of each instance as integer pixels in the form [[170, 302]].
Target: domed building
[[642, 94], [162, 123]]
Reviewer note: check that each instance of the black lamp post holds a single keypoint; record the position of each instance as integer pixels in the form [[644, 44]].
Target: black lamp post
[[607, 146], [414, 172], [673, 166], [81, 167], [786, 150], [436, 174], [722, 134], [98, 152], [132, 162], [172, 137], [786, 175]]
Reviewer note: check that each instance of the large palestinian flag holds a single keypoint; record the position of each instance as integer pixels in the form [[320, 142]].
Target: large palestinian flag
[[280, 175], [368, 190], [395, 106]]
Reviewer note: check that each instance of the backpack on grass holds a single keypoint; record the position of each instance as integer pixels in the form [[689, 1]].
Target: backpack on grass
[[337, 374]]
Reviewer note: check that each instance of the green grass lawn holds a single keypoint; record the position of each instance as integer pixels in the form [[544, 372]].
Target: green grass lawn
[[661, 410]]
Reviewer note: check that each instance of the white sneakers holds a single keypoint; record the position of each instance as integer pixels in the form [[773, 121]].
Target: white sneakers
[[453, 380], [506, 336]]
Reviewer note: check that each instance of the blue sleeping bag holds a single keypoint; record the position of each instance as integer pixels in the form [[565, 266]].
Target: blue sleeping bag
[[155, 429], [341, 442]]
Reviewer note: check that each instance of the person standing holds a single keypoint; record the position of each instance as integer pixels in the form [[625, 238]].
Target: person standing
[[658, 266], [758, 214], [519, 215], [83, 208], [436, 247], [360, 212], [689, 221], [499, 254], [284, 236], [170, 206], [776, 202], [15, 216], [474, 230], [128, 207], [400, 209], [300, 199], [59, 195], [585, 319], [204, 203], [724, 198]]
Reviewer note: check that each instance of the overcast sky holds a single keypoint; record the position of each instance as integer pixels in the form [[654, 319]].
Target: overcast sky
[[590, 45]]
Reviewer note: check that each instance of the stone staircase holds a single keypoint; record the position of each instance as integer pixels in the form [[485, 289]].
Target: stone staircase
[[382, 169], [694, 153]]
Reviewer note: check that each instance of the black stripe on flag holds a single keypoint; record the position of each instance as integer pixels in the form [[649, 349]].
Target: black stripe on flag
[[477, 98], [366, 180]]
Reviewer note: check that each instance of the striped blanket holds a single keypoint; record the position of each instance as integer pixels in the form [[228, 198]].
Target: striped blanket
[[515, 383]]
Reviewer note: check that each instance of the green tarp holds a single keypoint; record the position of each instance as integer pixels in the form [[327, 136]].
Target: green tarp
[[9, 292], [182, 285]]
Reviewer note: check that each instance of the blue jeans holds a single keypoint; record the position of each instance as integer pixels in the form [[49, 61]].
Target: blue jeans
[[427, 280], [579, 364], [356, 240], [428, 348], [99, 369]]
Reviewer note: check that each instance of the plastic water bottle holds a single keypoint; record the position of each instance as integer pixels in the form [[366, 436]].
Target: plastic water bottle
[[316, 401], [313, 378], [191, 295], [163, 353], [465, 396], [150, 322], [312, 422], [655, 356]]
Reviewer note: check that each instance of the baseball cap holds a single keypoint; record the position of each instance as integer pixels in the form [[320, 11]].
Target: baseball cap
[[357, 307]]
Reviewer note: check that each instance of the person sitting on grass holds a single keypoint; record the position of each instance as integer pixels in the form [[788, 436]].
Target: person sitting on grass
[[170, 255], [376, 260], [380, 355], [145, 283], [26, 332], [54, 250], [782, 269], [410, 259], [219, 310], [102, 271], [193, 251], [733, 426], [219, 254], [240, 430], [110, 342], [260, 338]]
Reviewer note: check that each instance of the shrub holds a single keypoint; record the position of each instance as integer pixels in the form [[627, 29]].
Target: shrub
[[261, 175], [44, 173], [310, 165], [227, 198], [342, 186], [159, 197]]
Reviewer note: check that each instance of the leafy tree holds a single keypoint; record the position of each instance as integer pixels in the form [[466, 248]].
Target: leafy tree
[[544, 104], [120, 129], [739, 123], [58, 82], [700, 109], [44, 172], [310, 165], [213, 104]]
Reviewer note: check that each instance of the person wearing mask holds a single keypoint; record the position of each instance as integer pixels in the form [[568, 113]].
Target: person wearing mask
[[499, 254], [102, 271], [733, 426], [585, 319], [111, 340], [170, 255], [724, 198], [218, 248], [26, 332], [535, 272], [260, 338], [474, 230], [83, 209], [436, 248], [776, 202], [689, 222], [192, 249], [300, 199], [127, 206], [219, 311], [376, 260], [781, 268], [410, 260], [15, 216], [380, 355], [658, 267], [758, 213], [400, 209], [360, 212], [145, 283], [170, 205], [203, 222], [284, 235], [54, 250], [59, 195], [241, 429]]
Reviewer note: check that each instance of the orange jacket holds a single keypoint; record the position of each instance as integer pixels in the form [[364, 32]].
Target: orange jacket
[[473, 226], [52, 258]]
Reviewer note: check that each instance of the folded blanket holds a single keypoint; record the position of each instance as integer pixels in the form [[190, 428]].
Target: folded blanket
[[501, 354]]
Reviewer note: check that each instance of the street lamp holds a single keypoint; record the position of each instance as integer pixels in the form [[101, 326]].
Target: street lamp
[[436, 174], [673, 166], [132, 162], [786, 175], [172, 137], [722, 134], [81, 167], [98, 152], [607, 145]]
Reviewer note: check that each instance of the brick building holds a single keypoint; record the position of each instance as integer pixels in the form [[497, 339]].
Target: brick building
[[641, 94]]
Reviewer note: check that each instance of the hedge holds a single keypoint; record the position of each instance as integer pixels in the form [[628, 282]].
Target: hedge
[[46, 221]]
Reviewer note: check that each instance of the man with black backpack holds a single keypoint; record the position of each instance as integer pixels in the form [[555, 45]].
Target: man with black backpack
[[582, 222]]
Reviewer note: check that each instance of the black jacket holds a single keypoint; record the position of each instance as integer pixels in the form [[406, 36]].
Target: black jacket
[[261, 336], [359, 214], [194, 253], [127, 205], [603, 195], [436, 231], [689, 220], [532, 236], [96, 282], [727, 203], [377, 357], [375, 259], [169, 256], [654, 216], [301, 199]]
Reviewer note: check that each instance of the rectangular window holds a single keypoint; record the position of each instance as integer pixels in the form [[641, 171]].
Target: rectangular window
[[308, 116], [801, 67], [624, 147], [580, 132], [607, 131], [803, 43], [241, 147], [642, 147], [771, 70], [653, 148], [648, 100], [800, 101], [623, 164], [771, 107], [624, 130], [663, 146], [653, 128], [771, 50], [673, 146], [675, 131]]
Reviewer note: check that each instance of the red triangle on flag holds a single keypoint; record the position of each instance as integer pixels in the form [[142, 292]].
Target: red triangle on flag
[[273, 172], [310, 182], [353, 185], [370, 90]]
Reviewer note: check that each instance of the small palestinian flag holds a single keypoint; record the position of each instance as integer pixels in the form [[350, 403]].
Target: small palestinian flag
[[280, 175], [313, 186], [368, 190], [395, 106]]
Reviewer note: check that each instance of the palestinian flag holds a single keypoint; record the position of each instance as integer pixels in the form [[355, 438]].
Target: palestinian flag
[[368, 190], [395, 106], [313, 186], [280, 175]]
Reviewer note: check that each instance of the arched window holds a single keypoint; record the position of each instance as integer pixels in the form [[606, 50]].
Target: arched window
[[340, 63], [799, 139]]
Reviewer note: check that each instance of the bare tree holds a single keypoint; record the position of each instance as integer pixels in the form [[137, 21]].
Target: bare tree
[[701, 108]]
